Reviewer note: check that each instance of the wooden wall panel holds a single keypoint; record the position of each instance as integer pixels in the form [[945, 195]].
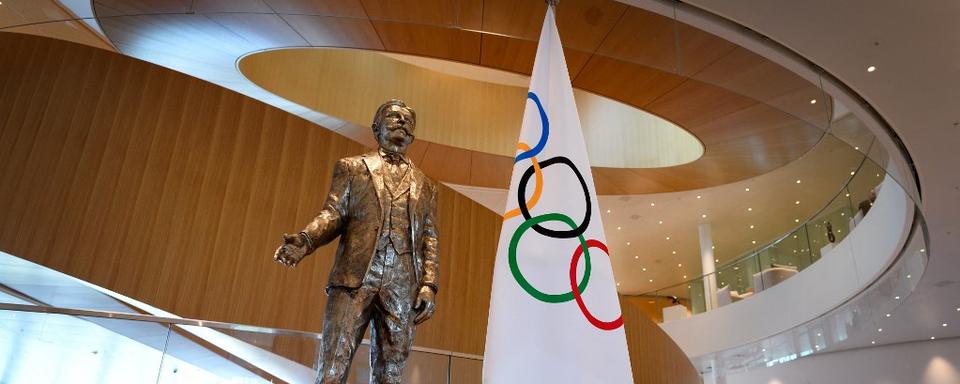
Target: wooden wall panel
[[654, 357], [175, 192]]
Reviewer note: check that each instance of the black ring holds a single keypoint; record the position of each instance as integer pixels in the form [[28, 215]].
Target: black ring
[[522, 199]]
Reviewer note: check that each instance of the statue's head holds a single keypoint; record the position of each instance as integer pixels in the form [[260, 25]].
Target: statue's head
[[393, 126]]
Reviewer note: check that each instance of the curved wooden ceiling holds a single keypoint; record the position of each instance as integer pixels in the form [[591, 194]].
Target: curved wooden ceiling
[[752, 115]]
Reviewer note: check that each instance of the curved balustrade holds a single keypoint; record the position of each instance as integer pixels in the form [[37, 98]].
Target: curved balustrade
[[812, 239]]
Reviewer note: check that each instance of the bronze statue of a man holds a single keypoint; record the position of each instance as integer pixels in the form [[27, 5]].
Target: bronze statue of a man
[[386, 268]]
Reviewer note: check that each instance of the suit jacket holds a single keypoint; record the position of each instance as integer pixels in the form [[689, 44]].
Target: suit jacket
[[354, 211]]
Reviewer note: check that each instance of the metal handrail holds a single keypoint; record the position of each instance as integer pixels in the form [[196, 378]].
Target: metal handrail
[[200, 323]]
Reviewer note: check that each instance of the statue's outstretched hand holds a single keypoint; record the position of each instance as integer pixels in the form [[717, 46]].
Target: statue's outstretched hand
[[424, 305], [292, 251]]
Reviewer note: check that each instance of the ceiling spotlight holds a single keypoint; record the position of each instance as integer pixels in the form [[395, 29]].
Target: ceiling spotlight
[[896, 297], [684, 276], [796, 220], [813, 101], [943, 325], [933, 337], [818, 334], [668, 237], [660, 222], [922, 250], [908, 276], [751, 226], [636, 257], [747, 189], [888, 315], [651, 280], [879, 329], [873, 342], [704, 216], [628, 243], [798, 181], [718, 260], [856, 148], [753, 241], [644, 269], [653, 204], [608, 211], [618, 228], [871, 68], [618, 284], [847, 195], [749, 209], [698, 196], [713, 247], [797, 202], [681, 266], [852, 173]]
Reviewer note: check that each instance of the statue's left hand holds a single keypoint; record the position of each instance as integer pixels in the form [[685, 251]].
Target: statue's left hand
[[425, 304]]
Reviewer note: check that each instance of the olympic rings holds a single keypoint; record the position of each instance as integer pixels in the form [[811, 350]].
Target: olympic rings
[[515, 269], [604, 325], [524, 206], [522, 199]]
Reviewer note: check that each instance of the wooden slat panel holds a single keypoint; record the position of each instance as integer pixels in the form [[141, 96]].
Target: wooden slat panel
[[426, 40], [343, 8], [322, 31], [462, 13], [654, 357], [631, 83]]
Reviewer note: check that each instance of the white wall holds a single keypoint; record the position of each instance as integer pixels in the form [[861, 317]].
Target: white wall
[[921, 362]]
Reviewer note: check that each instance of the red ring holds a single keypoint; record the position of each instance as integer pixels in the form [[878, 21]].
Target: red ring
[[604, 325]]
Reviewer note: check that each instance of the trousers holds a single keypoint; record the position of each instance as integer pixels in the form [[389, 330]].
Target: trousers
[[384, 301]]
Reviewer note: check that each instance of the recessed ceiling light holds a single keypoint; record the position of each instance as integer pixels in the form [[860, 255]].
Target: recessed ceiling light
[[651, 280], [796, 220], [608, 211], [908, 276], [873, 342], [933, 337], [798, 181], [751, 226], [871, 68], [618, 228], [644, 269], [852, 173], [684, 276], [818, 334], [896, 297], [747, 189], [653, 204], [660, 222], [704, 216], [879, 329], [668, 237], [618, 284], [943, 325], [922, 250], [847, 195], [856, 148], [749, 209], [636, 257], [698, 196], [681, 266], [673, 252], [628, 243], [753, 241], [813, 101], [713, 247], [888, 315], [797, 202]]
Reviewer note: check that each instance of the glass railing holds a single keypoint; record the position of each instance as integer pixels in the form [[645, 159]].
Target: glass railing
[[44, 344], [807, 242]]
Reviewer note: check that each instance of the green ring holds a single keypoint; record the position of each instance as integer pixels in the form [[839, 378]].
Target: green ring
[[515, 269]]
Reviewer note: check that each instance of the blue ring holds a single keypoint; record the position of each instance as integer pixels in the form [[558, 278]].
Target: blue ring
[[544, 131]]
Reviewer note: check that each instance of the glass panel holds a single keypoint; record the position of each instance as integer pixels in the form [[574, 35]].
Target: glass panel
[[735, 282], [210, 355], [54, 348]]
